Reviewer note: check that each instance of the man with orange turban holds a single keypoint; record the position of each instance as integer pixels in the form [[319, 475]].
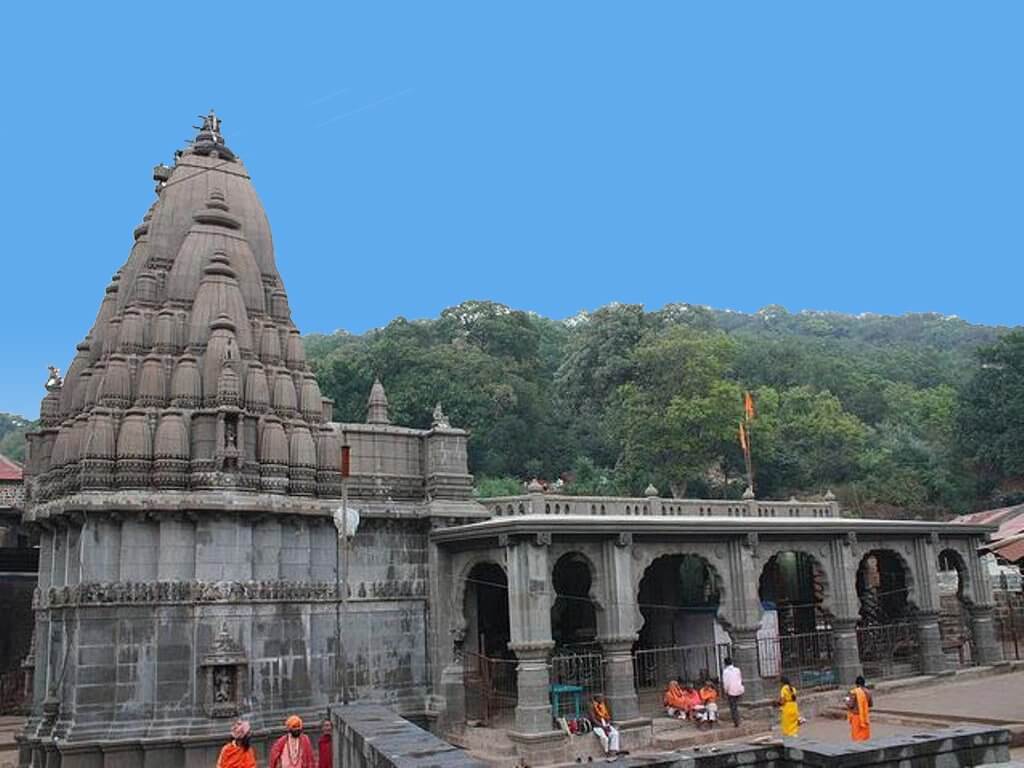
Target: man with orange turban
[[294, 749]]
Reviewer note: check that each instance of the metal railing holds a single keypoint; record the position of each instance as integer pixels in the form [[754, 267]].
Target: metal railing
[[491, 687], [807, 659], [1009, 624], [889, 650], [584, 668], [653, 668]]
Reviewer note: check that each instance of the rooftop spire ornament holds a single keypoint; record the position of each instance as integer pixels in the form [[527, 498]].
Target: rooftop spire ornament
[[54, 380]]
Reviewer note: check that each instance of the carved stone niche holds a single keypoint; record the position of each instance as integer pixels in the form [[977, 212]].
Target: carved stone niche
[[224, 676]]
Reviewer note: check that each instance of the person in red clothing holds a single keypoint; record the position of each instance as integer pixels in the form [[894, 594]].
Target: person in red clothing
[[294, 749], [324, 745]]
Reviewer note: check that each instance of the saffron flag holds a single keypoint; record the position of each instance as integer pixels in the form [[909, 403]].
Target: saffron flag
[[748, 406], [743, 438]]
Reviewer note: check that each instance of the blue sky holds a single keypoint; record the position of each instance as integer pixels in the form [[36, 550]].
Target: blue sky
[[552, 156]]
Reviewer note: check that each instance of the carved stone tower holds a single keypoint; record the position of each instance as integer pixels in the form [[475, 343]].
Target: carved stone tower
[[182, 481]]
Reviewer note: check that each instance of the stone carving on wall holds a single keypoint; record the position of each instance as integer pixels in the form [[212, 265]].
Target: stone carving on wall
[[625, 539], [126, 592], [223, 667], [752, 542], [851, 541], [458, 643]]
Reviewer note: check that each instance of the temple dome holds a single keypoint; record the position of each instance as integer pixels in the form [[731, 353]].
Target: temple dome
[[193, 337]]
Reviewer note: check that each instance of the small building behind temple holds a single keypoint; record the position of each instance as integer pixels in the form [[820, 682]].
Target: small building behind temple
[[183, 484], [19, 562]]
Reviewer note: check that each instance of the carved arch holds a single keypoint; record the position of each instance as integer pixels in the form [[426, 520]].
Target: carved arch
[[821, 571], [909, 580], [965, 588], [457, 608], [706, 553]]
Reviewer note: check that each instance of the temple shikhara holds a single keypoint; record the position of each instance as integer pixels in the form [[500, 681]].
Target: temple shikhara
[[183, 484]]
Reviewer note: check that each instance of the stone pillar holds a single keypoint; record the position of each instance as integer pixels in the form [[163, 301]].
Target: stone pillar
[[845, 606], [742, 609], [983, 629], [618, 627], [933, 660], [529, 608], [982, 612], [453, 689], [619, 683], [846, 654], [744, 656], [533, 708], [926, 577]]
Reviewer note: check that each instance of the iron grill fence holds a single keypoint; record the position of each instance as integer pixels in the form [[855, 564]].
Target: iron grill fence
[[653, 668], [1009, 625], [584, 668], [807, 659], [491, 688], [889, 650]]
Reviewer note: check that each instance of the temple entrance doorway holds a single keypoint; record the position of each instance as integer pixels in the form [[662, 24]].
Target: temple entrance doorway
[[886, 634], [573, 617], [679, 598], [954, 610], [489, 665], [795, 636]]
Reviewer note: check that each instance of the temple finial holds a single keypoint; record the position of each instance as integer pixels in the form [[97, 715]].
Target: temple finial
[[211, 125]]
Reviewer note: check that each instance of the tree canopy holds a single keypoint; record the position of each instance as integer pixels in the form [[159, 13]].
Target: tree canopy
[[895, 414], [918, 415]]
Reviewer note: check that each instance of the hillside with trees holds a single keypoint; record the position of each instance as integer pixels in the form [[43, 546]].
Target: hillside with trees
[[918, 415], [12, 436]]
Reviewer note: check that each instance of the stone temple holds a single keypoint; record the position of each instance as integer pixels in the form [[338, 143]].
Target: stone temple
[[182, 484]]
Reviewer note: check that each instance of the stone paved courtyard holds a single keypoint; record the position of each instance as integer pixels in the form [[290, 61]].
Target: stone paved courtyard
[[994, 700], [901, 708]]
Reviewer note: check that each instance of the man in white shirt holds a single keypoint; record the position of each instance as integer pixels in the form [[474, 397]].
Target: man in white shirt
[[732, 686]]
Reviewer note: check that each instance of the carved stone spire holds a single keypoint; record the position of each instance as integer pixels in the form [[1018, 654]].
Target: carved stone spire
[[377, 406], [192, 347]]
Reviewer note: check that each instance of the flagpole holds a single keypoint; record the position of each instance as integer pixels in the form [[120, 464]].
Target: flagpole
[[745, 432]]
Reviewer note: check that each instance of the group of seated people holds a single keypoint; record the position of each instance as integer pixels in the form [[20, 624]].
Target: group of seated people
[[689, 703], [683, 702]]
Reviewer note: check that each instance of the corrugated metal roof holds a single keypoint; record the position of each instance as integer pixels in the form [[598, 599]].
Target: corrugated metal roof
[[1006, 542]]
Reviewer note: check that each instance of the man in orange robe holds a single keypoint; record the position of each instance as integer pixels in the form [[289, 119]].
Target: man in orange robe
[[238, 753], [674, 700], [858, 711]]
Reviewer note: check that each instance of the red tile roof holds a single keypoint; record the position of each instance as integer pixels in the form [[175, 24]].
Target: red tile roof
[[10, 470]]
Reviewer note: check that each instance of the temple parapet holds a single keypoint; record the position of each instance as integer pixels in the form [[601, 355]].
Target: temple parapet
[[562, 504]]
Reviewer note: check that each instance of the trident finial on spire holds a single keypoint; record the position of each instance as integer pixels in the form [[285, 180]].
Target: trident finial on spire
[[210, 127], [211, 123]]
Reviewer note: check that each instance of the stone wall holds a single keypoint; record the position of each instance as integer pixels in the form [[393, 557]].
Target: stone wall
[[370, 736], [129, 608]]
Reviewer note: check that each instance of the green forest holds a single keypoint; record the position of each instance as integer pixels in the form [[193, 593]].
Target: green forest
[[912, 416], [918, 415]]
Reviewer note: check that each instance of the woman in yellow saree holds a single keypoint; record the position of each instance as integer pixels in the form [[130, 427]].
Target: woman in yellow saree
[[789, 713]]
